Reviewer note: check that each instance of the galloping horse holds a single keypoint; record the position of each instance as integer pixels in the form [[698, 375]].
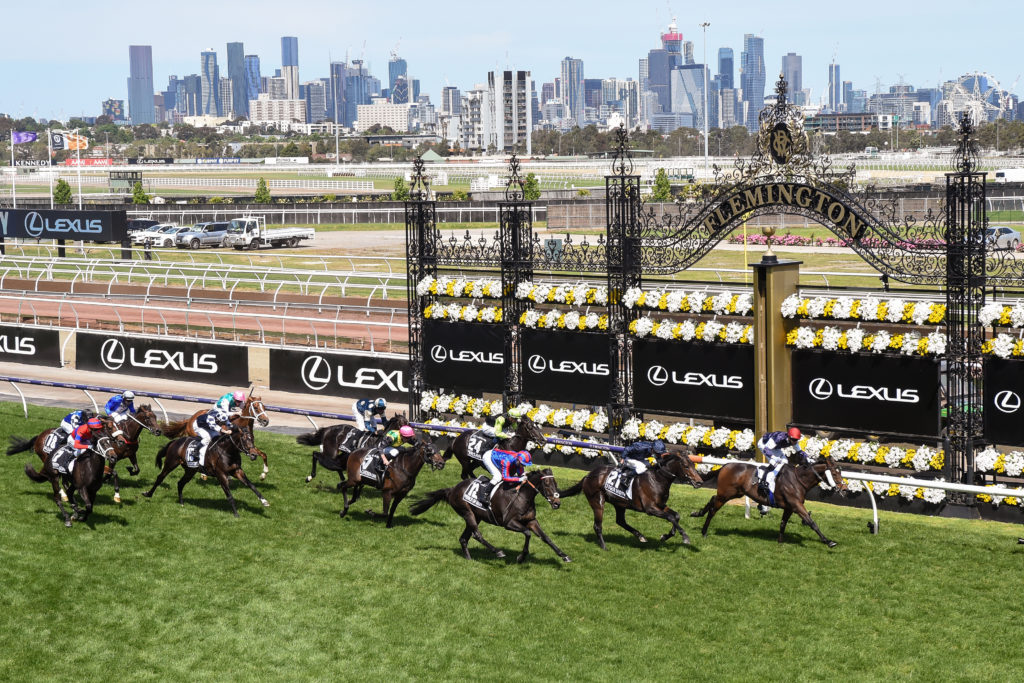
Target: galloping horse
[[398, 479], [86, 478], [526, 431], [517, 511], [251, 411], [223, 460], [330, 440], [791, 486], [649, 494]]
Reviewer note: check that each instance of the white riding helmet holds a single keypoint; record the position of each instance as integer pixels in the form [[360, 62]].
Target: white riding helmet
[[128, 395]]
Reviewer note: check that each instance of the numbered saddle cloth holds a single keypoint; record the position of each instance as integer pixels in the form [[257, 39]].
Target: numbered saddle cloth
[[619, 483], [478, 444], [54, 440], [352, 440], [478, 493], [64, 460], [372, 466], [192, 458]]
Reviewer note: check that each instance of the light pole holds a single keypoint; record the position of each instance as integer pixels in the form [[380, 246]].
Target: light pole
[[704, 26]]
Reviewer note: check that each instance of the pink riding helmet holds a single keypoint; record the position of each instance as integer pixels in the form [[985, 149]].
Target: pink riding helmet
[[239, 396], [406, 432]]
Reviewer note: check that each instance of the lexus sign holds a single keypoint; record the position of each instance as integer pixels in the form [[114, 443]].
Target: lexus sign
[[699, 380], [566, 366], [1004, 401], [466, 357], [32, 346], [339, 374], [868, 393], [186, 360], [45, 224]]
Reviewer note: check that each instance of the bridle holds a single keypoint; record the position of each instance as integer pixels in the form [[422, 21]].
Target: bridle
[[141, 424], [249, 412], [828, 468]]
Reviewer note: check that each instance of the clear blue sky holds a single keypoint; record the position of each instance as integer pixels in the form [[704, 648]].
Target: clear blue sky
[[64, 58]]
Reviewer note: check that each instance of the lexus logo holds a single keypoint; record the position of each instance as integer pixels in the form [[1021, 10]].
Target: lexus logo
[[657, 375], [820, 388], [34, 225], [112, 354], [537, 364], [439, 354], [1008, 402], [316, 372]]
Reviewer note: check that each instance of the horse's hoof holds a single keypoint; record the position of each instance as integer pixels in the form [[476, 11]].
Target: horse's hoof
[[520, 559], [665, 537], [265, 502], [686, 540], [117, 497], [147, 494], [67, 523], [309, 479], [831, 544], [695, 513], [566, 558], [263, 476], [499, 554], [644, 540]]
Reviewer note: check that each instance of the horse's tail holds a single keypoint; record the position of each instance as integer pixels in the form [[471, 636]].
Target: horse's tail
[[573, 490], [31, 473], [161, 453], [20, 445], [312, 438], [428, 501], [175, 428]]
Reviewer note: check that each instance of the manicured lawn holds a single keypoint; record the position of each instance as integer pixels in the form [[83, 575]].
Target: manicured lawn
[[150, 590]]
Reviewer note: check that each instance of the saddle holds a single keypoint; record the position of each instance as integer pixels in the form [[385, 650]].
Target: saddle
[[768, 490], [372, 466], [478, 493], [54, 440], [353, 441], [63, 460], [192, 453], [478, 444], [619, 483]]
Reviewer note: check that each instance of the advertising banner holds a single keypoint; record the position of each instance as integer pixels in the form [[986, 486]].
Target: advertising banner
[[702, 380], [29, 345], [166, 358], [150, 161], [1004, 397], [466, 357], [566, 366], [339, 374], [868, 393], [46, 224], [88, 162]]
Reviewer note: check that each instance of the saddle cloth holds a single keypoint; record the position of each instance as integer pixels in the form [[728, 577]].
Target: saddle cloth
[[192, 459], [372, 466], [64, 460], [768, 489], [478, 444], [54, 440], [619, 483], [478, 493], [352, 441]]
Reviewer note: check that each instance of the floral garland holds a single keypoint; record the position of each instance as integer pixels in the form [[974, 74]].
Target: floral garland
[[557, 320], [547, 447], [1003, 315], [460, 404], [691, 435], [834, 339], [907, 492], [678, 301], [459, 287], [990, 460], [710, 331], [469, 313], [920, 459], [869, 309], [1003, 345], [572, 295], [997, 500]]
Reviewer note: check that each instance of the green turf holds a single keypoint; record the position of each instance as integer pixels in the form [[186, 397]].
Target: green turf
[[150, 590]]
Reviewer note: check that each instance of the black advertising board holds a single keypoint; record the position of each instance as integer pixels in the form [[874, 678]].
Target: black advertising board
[[45, 224], [29, 345], [464, 356], [150, 161], [702, 380], [869, 393], [566, 366], [184, 360], [1004, 394], [339, 374]]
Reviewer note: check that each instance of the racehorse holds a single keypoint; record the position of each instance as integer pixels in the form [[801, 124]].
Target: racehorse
[[517, 511], [791, 486], [649, 494], [251, 411], [398, 479], [223, 460], [526, 431], [86, 478], [330, 440]]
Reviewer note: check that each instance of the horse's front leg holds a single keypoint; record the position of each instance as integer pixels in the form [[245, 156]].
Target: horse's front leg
[[806, 517], [535, 527], [620, 519], [240, 476], [266, 468], [673, 518], [786, 514]]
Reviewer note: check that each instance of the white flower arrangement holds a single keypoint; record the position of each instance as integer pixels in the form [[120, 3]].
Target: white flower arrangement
[[459, 287], [679, 301], [460, 404], [460, 313], [687, 330], [990, 460], [578, 294], [921, 458], [853, 340], [869, 309], [1004, 346], [557, 320], [690, 435], [1001, 314]]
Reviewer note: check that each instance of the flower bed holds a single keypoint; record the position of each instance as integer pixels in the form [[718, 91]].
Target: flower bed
[[460, 313], [547, 447], [460, 404], [557, 320], [579, 294], [1003, 315], [857, 340], [1004, 346], [687, 330], [920, 459], [868, 310], [678, 301], [459, 287]]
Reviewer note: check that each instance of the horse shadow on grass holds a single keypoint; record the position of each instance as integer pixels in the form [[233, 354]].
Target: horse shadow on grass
[[223, 505], [365, 516], [485, 556], [761, 534]]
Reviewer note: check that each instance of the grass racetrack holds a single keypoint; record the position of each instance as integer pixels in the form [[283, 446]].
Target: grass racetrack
[[150, 590]]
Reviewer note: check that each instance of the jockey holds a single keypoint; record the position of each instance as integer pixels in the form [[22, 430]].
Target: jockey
[[118, 408], [506, 466], [505, 425], [72, 421], [366, 410], [209, 424], [397, 442], [639, 453], [777, 447], [231, 402], [82, 437]]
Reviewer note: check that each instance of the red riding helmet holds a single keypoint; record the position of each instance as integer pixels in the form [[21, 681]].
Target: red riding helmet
[[794, 433], [93, 423], [524, 457]]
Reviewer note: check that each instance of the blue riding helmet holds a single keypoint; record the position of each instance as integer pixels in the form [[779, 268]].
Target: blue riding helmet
[[659, 447], [380, 403]]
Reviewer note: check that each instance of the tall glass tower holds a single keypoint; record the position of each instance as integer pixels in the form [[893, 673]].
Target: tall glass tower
[[236, 72], [140, 84], [209, 104], [752, 75], [290, 66]]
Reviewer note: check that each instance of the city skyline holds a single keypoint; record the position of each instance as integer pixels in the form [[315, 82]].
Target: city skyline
[[923, 49]]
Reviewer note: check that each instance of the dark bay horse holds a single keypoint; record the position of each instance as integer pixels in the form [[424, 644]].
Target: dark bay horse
[[791, 486], [332, 437], [516, 511], [649, 494], [252, 411], [86, 478], [526, 431], [223, 460], [398, 480]]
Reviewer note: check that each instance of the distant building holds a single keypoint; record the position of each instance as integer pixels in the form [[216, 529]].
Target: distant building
[[834, 88], [227, 88], [451, 100], [725, 68], [252, 78], [360, 88], [114, 109], [728, 114], [752, 79], [397, 67], [336, 92], [687, 85], [266, 110], [397, 117], [315, 94], [792, 71], [239, 103], [513, 111], [210, 74], [476, 120], [277, 88], [140, 84], [836, 122], [574, 89], [290, 65], [400, 91]]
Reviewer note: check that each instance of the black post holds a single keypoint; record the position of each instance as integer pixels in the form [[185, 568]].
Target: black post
[[421, 261], [516, 235], [61, 251]]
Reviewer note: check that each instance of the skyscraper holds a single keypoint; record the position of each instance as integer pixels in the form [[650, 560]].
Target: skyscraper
[[725, 67], [315, 94], [451, 100], [336, 94], [227, 97], [687, 84], [573, 89], [397, 67], [252, 78], [140, 84], [400, 90], [792, 71], [209, 104], [752, 76], [236, 72], [834, 87], [290, 66], [672, 41], [510, 93], [358, 90]]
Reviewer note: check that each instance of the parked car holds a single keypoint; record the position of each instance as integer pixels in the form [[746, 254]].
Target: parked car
[[1002, 237], [159, 235], [138, 224], [202, 235]]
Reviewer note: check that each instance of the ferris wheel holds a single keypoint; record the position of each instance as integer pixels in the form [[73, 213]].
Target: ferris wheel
[[980, 96]]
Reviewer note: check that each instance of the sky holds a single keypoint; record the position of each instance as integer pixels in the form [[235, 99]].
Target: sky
[[64, 58]]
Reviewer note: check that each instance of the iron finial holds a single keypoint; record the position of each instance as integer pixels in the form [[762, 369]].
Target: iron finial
[[623, 161], [514, 188], [420, 182]]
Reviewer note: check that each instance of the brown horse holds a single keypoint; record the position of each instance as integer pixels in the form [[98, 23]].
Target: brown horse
[[398, 479], [516, 506], [252, 411], [791, 486], [526, 431], [649, 494], [223, 460], [331, 438], [86, 479]]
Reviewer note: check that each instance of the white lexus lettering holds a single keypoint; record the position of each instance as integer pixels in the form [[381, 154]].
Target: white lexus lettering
[[158, 359], [373, 379], [699, 379], [539, 364], [885, 394], [24, 346], [3, 221]]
